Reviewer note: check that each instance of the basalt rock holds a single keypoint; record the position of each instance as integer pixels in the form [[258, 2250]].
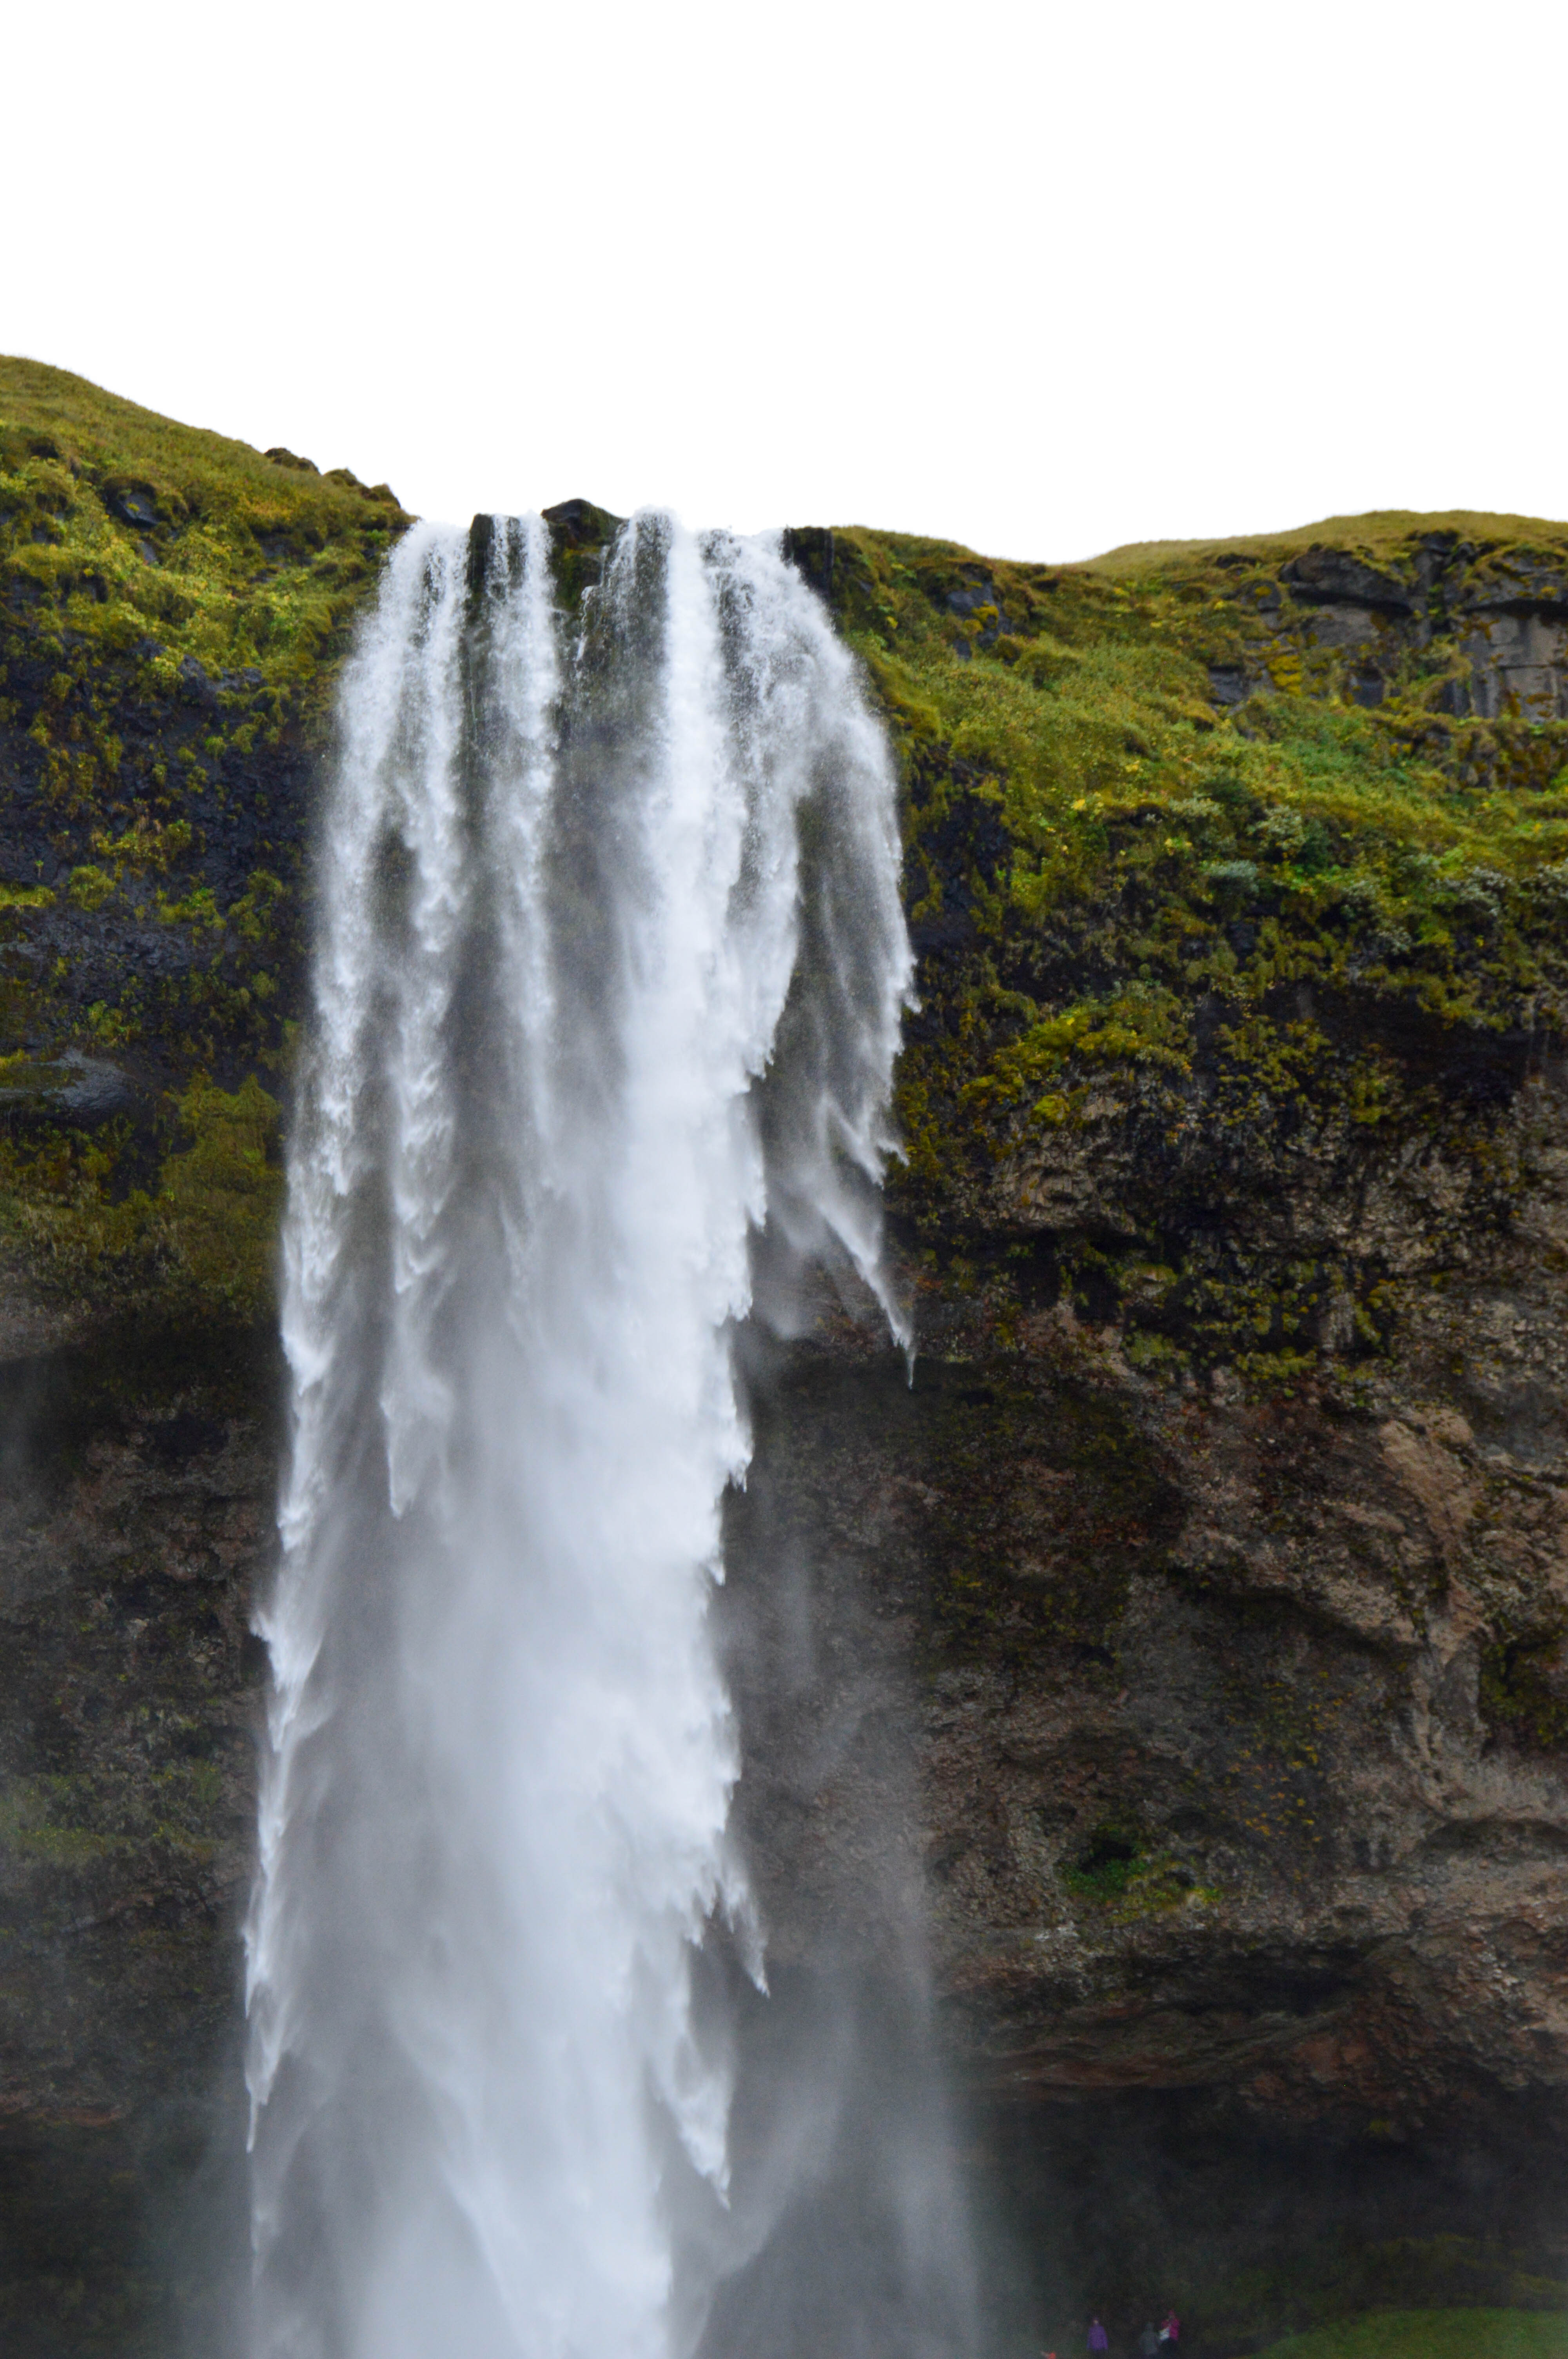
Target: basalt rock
[[1203, 1669], [1231, 1736]]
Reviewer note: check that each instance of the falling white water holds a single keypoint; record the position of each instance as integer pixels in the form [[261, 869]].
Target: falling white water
[[609, 974]]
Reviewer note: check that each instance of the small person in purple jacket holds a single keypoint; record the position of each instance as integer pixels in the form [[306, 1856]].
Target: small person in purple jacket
[[1098, 2339]]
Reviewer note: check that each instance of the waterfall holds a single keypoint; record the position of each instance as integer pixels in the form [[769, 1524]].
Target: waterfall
[[608, 973]]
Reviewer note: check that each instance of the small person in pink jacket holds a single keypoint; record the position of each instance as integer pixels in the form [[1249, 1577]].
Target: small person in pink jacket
[[1098, 2339]]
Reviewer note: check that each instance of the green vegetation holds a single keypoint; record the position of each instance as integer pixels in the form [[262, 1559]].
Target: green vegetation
[[1345, 2300], [76, 1822], [1434, 2334], [1189, 899], [173, 608], [1386, 533], [117, 524], [1119, 1870], [203, 1237]]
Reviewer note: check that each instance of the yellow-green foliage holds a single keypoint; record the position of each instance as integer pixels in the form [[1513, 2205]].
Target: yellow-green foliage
[[172, 608], [1213, 939], [201, 1241], [1434, 2334], [1381, 534], [236, 560], [1068, 772], [1095, 709]]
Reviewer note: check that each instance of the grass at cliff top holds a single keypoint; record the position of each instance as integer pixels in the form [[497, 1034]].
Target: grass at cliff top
[[1434, 2334], [1118, 850], [121, 531], [1079, 697], [1385, 532]]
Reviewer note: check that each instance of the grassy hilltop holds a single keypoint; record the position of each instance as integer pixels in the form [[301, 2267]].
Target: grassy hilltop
[[1146, 803]]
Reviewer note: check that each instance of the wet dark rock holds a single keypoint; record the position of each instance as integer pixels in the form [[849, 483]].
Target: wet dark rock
[[810, 548], [187, 1435], [135, 505], [94, 1091], [1301, 1946], [196, 686], [579, 524], [1335, 577]]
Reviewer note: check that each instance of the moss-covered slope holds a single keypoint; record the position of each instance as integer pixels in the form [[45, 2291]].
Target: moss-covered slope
[[1221, 858], [172, 609]]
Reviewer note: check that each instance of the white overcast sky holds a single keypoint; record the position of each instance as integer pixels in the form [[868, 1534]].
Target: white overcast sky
[[1042, 279]]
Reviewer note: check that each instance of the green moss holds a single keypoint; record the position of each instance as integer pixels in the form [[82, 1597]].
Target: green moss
[[1384, 534], [80, 1822], [1108, 1864], [42, 1819], [1215, 944], [1090, 733], [203, 1238], [1118, 1869], [173, 606], [116, 520]]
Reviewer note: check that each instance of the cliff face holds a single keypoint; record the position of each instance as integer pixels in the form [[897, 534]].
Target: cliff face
[[1187, 1642], [1216, 1567]]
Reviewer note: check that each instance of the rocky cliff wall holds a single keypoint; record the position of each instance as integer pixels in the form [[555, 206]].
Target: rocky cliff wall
[[1185, 1650], [1213, 1571]]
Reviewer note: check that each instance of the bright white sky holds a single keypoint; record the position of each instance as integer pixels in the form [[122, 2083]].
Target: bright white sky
[[1039, 277]]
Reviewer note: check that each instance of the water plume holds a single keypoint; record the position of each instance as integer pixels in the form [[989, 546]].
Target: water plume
[[609, 972]]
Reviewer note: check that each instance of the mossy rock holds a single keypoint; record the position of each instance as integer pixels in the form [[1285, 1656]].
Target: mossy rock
[[1190, 912]]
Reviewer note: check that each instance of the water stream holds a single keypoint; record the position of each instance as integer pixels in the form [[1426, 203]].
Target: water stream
[[608, 973]]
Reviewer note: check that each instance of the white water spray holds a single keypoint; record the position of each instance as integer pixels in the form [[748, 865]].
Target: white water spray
[[609, 974]]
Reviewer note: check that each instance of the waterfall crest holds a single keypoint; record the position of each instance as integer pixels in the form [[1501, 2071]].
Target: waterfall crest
[[609, 972]]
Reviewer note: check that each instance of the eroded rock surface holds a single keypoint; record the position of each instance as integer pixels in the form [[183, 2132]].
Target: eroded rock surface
[[1239, 1725]]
